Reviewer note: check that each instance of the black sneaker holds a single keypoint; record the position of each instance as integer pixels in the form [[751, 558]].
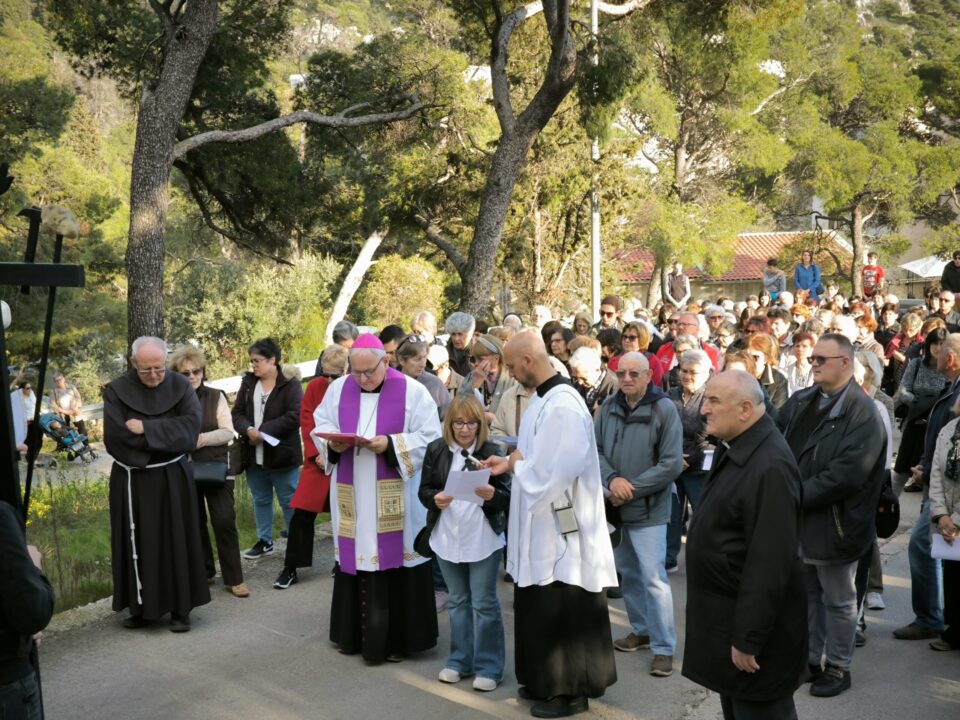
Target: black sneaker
[[259, 550], [815, 672], [286, 578], [832, 682]]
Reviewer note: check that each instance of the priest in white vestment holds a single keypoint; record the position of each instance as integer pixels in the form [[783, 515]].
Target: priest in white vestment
[[383, 602], [561, 559]]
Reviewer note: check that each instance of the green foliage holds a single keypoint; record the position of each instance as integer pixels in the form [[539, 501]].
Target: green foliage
[[226, 305], [396, 288]]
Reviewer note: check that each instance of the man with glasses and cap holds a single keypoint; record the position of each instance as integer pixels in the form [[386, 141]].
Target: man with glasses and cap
[[151, 421], [383, 600], [839, 441], [950, 279]]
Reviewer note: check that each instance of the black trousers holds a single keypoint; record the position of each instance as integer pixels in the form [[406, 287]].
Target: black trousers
[[218, 499], [300, 539], [734, 709]]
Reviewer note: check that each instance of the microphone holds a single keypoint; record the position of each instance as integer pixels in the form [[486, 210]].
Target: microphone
[[471, 458]]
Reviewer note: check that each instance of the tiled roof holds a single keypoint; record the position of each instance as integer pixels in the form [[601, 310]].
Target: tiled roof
[[753, 251]]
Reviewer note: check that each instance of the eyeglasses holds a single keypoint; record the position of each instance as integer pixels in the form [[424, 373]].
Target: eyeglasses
[[634, 374], [411, 340], [365, 373], [671, 322], [257, 360], [821, 359], [631, 338], [607, 314], [688, 324], [151, 371], [460, 424], [189, 373]]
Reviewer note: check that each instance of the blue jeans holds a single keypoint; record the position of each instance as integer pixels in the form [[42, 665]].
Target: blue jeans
[[20, 700], [262, 484], [476, 623], [646, 592], [924, 579], [689, 486]]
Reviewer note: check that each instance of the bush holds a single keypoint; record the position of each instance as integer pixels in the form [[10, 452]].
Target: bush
[[396, 288]]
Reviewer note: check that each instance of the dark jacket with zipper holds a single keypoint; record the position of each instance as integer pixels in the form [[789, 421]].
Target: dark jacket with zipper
[[842, 463], [437, 461], [645, 446], [281, 419], [744, 575]]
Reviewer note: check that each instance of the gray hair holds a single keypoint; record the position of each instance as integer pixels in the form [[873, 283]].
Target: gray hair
[[345, 330], [585, 359], [424, 321], [377, 353], [871, 363], [691, 340], [636, 357], [698, 358], [460, 322], [144, 340], [714, 310]]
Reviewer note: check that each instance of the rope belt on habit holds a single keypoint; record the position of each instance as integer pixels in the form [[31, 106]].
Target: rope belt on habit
[[133, 527]]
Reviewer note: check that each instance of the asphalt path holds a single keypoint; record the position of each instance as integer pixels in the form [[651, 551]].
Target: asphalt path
[[268, 656]]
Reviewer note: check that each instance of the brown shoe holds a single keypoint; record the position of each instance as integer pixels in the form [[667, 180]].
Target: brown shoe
[[632, 643], [915, 632], [662, 666], [240, 591]]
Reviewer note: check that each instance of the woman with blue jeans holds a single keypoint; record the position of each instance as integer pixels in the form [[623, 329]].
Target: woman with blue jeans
[[268, 404], [467, 539]]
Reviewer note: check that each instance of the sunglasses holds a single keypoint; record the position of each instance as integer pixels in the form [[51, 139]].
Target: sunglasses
[[821, 359], [634, 374], [190, 373], [607, 314], [631, 338]]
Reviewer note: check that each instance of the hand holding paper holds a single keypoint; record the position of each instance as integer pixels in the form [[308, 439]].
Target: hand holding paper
[[462, 485]]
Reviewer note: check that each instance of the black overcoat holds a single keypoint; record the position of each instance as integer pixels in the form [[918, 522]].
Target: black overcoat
[[744, 573]]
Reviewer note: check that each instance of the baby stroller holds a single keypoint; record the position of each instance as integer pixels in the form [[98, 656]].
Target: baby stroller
[[68, 440]]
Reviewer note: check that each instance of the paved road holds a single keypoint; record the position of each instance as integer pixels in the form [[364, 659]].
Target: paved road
[[268, 657]]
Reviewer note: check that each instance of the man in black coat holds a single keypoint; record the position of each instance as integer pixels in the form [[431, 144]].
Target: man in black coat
[[746, 607], [26, 606], [839, 441], [950, 280]]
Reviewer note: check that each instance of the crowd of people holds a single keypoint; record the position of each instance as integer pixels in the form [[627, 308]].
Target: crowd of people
[[574, 456]]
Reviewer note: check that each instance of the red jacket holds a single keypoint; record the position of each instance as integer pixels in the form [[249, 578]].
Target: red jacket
[[666, 355]]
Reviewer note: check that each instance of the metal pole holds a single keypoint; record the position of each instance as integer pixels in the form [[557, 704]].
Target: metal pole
[[595, 191]]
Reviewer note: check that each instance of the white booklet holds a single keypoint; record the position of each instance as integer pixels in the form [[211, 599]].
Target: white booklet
[[944, 551], [269, 439], [462, 483]]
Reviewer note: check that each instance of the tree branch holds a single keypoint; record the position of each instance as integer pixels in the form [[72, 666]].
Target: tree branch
[[623, 8], [498, 63], [341, 120], [775, 94], [437, 237], [163, 13]]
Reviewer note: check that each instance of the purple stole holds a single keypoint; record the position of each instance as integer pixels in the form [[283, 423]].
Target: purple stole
[[391, 411]]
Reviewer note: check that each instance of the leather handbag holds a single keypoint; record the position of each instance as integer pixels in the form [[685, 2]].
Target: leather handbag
[[209, 471]]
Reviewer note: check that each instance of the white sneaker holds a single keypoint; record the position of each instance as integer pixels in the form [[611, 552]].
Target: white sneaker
[[484, 684], [449, 675], [875, 601], [442, 599]]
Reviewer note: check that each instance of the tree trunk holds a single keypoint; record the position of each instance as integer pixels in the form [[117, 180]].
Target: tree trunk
[[856, 267], [477, 275], [352, 282], [656, 282], [161, 110]]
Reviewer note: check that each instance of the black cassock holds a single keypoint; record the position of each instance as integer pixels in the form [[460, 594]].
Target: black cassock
[[169, 553]]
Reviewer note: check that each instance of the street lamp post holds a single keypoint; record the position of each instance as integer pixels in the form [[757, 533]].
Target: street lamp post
[[595, 191]]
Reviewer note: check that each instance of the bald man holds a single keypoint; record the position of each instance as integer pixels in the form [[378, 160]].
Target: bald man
[[746, 607], [559, 551], [151, 420]]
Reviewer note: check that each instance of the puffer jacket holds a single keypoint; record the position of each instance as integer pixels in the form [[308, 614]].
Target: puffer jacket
[[645, 446], [842, 463], [944, 491], [281, 419]]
